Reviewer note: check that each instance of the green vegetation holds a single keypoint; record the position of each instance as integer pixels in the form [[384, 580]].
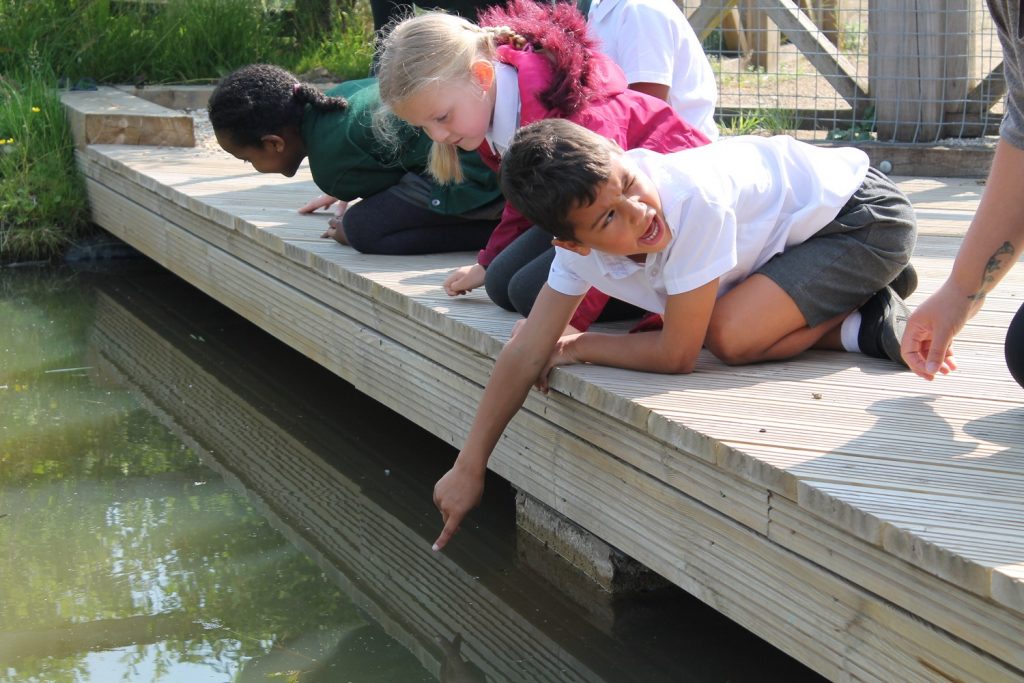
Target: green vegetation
[[760, 122], [47, 43], [42, 198], [859, 130], [854, 38]]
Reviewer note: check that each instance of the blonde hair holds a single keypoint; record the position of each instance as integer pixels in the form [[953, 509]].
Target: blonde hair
[[430, 48]]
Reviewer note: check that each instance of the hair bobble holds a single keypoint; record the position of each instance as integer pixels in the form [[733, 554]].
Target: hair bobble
[[296, 87], [505, 35]]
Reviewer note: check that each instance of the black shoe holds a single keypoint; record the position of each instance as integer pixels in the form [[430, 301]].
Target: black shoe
[[905, 283], [882, 324]]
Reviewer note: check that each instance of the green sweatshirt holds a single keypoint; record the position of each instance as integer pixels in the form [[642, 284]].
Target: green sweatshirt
[[347, 161]]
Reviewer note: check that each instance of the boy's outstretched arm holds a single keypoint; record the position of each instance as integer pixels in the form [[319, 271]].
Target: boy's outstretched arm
[[518, 366], [671, 350]]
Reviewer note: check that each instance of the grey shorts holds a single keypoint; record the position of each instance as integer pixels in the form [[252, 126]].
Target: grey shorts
[[864, 247]]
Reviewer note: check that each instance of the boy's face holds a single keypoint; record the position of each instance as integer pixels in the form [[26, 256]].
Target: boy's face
[[274, 154], [457, 114], [626, 218]]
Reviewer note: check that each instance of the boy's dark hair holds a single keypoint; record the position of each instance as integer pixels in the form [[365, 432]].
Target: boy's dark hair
[[552, 167], [263, 99]]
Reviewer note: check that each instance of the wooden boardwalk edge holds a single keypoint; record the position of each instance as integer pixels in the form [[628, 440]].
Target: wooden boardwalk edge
[[725, 525]]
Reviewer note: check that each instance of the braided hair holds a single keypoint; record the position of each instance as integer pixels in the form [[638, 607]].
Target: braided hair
[[263, 99]]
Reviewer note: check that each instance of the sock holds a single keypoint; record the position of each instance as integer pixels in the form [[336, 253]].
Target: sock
[[849, 331]]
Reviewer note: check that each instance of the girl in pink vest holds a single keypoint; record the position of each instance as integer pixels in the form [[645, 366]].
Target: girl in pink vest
[[472, 86]]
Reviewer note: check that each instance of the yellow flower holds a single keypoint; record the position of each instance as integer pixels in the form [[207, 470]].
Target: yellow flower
[[35, 110]]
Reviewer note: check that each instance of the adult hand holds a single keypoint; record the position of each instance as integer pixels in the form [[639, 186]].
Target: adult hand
[[927, 341], [464, 280], [455, 494]]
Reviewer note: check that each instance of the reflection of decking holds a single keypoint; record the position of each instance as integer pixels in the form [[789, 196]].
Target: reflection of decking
[[364, 529], [865, 521]]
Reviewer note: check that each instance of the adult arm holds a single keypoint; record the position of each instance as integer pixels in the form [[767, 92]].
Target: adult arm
[[990, 248], [515, 371]]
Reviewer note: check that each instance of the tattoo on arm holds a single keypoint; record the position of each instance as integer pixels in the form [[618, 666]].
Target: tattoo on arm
[[995, 263]]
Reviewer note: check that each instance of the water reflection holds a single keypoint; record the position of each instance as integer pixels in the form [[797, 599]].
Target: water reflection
[[158, 485], [123, 556]]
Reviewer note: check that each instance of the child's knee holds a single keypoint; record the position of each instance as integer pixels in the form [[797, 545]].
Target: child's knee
[[496, 284], [727, 342], [523, 288]]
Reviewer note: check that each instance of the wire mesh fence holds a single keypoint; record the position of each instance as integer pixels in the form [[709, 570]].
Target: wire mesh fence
[[885, 70]]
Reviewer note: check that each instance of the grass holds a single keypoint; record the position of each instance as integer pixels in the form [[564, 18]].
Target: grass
[[42, 197], [46, 42], [348, 50], [760, 122]]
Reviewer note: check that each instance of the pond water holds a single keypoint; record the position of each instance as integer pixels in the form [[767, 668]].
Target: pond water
[[183, 498]]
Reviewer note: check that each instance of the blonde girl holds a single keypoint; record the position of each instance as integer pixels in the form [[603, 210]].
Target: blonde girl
[[472, 86]]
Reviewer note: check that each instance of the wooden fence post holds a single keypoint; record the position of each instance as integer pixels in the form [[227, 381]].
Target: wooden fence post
[[922, 62], [762, 35]]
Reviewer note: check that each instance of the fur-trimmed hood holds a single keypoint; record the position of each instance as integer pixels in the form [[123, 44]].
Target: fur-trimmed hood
[[578, 72]]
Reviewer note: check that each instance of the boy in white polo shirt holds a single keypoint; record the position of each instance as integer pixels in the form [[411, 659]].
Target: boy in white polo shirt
[[754, 248]]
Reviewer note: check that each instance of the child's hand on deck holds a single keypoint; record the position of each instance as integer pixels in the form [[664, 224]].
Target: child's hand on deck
[[562, 354], [455, 494], [336, 230], [465, 279], [322, 202]]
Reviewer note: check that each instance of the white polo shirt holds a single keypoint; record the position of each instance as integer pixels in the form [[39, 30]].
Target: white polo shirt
[[653, 43], [730, 206]]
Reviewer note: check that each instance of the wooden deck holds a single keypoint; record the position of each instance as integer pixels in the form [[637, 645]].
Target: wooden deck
[[867, 522]]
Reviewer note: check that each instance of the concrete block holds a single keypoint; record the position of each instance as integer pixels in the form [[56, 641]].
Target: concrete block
[[611, 569]]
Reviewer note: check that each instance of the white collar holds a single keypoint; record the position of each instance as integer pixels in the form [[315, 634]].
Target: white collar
[[615, 267], [506, 108], [621, 267]]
